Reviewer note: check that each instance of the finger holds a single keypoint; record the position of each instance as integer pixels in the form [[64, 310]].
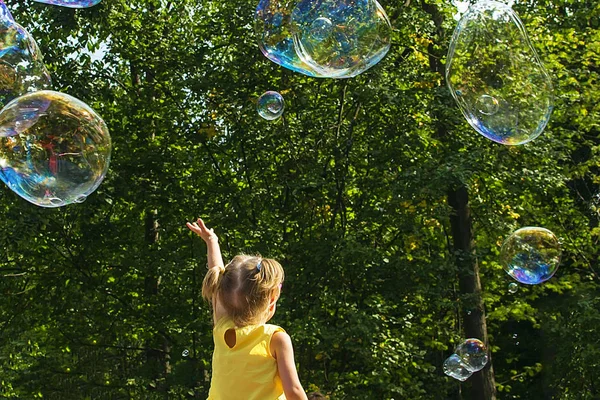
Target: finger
[[201, 224], [193, 227]]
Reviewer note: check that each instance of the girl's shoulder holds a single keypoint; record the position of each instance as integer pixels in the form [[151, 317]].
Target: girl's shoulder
[[270, 328]]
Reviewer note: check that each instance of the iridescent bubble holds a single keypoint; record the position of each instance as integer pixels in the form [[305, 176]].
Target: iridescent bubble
[[71, 3], [513, 287], [358, 38], [54, 149], [272, 24], [5, 14], [321, 28], [531, 255], [454, 367], [270, 105], [185, 353], [491, 57], [22, 69], [473, 354], [487, 105]]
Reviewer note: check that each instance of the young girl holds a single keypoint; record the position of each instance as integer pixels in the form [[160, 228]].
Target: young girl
[[252, 360]]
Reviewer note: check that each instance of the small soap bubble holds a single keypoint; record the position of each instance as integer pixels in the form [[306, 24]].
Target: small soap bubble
[[70, 3], [351, 35], [514, 336], [513, 287], [473, 354], [455, 368], [321, 28], [270, 105], [531, 255], [487, 105], [54, 149], [22, 69], [506, 93], [185, 353]]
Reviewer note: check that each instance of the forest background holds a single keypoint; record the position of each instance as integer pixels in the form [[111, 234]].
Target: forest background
[[366, 190]]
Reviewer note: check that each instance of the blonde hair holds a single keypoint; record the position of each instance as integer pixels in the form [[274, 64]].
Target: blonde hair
[[244, 287]]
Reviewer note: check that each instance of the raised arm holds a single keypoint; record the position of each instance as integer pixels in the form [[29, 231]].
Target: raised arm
[[215, 266], [283, 351], [213, 251]]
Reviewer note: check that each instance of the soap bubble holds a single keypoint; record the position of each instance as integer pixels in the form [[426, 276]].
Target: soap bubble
[[454, 367], [531, 255], [321, 28], [513, 287], [473, 354], [270, 105], [496, 77], [22, 69], [487, 105], [71, 3], [357, 35], [54, 149], [363, 41], [5, 14], [185, 353], [272, 23]]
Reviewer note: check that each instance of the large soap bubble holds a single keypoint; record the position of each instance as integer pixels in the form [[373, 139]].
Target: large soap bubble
[[54, 149], [473, 354], [454, 367], [272, 23], [5, 12], [270, 105], [22, 69], [326, 38], [71, 3], [496, 77], [531, 255], [341, 38]]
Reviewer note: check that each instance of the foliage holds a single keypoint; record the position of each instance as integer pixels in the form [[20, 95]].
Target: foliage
[[348, 190]]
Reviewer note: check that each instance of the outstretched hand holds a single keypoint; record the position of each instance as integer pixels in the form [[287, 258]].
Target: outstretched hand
[[200, 229]]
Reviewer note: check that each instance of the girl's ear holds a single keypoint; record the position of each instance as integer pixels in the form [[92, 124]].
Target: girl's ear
[[274, 297]]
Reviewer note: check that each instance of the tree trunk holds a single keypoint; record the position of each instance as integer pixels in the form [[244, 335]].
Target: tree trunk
[[473, 314]]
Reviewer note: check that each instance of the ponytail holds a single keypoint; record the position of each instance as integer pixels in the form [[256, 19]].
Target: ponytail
[[269, 274], [211, 283]]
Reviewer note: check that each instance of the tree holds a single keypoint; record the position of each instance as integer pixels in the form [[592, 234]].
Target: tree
[[360, 189]]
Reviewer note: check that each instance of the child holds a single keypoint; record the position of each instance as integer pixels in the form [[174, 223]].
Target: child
[[316, 396], [252, 360]]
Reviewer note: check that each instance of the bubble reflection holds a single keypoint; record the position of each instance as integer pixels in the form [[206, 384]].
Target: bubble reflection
[[70, 3], [358, 35], [22, 69], [270, 105], [491, 57], [531, 255], [455, 368], [54, 149]]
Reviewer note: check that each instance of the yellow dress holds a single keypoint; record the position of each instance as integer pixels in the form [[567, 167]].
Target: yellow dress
[[247, 371]]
